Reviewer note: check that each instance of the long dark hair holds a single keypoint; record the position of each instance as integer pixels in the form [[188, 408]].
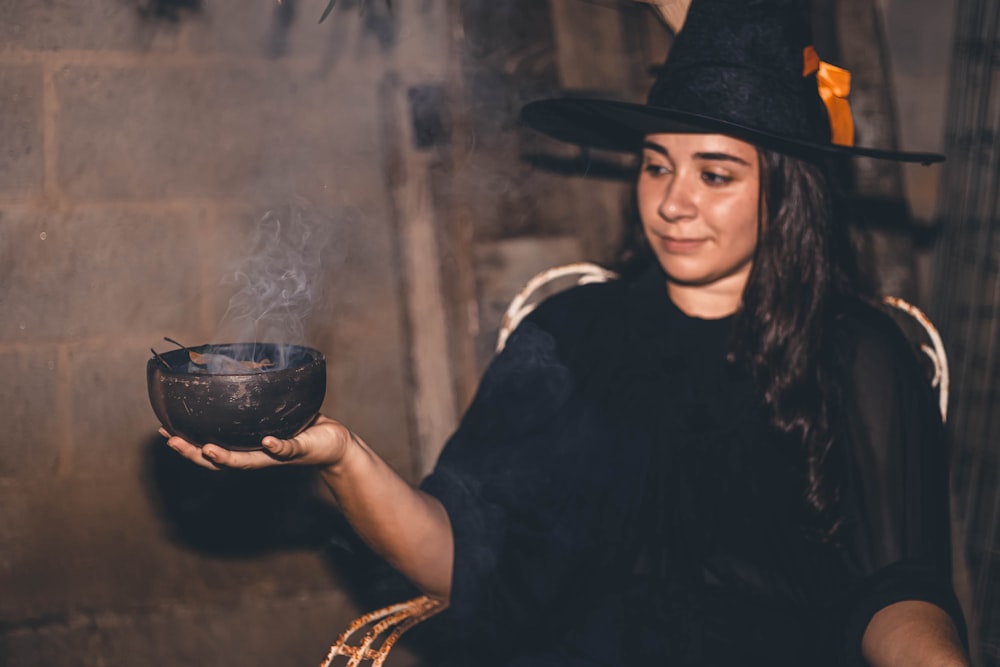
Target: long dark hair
[[803, 270]]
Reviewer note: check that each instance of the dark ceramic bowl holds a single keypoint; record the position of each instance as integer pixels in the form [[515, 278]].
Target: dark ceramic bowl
[[236, 408]]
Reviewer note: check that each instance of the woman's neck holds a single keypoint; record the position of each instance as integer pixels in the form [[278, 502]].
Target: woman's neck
[[709, 302]]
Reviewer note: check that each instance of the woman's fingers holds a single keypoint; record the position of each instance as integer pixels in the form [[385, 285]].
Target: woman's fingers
[[191, 452], [283, 450], [238, 460], [214, 457], [323, 443]]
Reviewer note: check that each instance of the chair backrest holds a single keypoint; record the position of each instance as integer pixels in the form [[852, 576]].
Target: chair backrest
[[531, 294], [940, 377], [527, 299], [369, 638]]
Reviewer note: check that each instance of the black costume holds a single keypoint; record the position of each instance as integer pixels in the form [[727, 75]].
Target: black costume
[[618, 498]]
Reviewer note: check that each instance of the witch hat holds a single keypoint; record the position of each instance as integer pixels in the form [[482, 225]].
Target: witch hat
[[744, 68]]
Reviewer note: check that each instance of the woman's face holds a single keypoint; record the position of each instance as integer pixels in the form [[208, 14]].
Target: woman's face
[[699, 203]]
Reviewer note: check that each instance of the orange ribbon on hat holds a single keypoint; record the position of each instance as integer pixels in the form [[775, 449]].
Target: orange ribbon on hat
[[834, 85]]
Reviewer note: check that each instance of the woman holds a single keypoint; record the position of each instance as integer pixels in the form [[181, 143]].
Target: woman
[[728, 460]]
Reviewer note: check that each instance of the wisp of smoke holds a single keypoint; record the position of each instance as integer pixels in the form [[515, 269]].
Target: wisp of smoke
[[277, 280]]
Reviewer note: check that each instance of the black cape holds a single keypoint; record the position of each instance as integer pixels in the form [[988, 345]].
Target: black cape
[[617, 497]]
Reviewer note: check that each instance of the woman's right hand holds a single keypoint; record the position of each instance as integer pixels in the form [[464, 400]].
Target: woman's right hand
[[323, 444]]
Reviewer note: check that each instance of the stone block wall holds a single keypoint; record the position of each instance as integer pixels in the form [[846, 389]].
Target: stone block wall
[[136, 154]]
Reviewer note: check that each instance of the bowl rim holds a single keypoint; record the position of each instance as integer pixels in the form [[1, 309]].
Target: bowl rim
[[317, 358]]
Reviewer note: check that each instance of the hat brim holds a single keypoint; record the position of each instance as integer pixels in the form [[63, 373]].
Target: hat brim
[[620, 126]]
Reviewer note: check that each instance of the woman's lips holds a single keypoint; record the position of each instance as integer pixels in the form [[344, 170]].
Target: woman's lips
[[681, 246]]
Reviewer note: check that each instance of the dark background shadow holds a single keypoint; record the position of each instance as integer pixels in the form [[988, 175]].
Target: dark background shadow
[[245, 513]]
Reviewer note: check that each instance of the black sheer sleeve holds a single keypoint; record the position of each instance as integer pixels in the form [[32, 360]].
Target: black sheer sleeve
[[896, 492], [519, 480], [490, 455]]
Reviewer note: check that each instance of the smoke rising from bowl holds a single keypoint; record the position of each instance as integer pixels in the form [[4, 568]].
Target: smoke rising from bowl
[[277, 278]]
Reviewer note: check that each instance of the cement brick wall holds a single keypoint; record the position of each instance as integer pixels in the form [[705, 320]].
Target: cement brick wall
[[21, 129], [135, 154]]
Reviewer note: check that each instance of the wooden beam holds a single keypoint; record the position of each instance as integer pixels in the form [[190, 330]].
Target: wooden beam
[[673, 12], [408, 164]]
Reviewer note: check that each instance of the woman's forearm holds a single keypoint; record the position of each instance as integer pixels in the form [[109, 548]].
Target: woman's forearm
[[912, 634], [407, 527]]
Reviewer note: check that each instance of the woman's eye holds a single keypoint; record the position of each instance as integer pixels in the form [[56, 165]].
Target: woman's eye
[[715, 179], [655, 169]]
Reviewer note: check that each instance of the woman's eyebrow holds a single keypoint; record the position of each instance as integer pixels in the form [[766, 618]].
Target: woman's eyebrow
[[725, 157], [656, 148]]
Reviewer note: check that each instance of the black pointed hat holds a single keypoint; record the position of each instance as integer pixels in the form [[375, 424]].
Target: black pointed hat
[[744, 68]]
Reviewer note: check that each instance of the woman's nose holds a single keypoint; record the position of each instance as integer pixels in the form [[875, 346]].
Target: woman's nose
[[677, 203]]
